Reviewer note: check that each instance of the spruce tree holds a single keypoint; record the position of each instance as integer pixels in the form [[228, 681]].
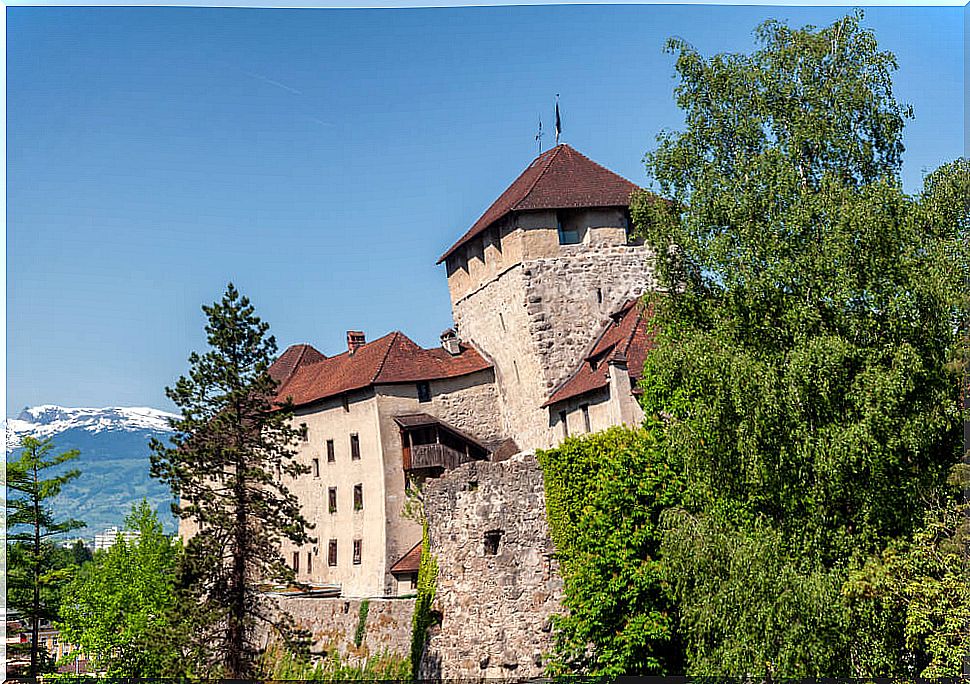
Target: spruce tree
[[34, 568], [233, 442]]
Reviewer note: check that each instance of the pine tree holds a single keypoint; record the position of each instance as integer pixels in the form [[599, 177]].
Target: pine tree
[[34, 570], [224, 465]]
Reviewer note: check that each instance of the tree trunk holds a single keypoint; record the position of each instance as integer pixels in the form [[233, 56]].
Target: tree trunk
[[35, 605]]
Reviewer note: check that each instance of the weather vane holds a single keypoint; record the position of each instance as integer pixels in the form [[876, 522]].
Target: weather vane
[[539, 135]]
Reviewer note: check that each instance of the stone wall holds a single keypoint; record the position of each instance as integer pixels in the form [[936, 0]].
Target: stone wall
[[333, 624], [495, 601], [536, 320]]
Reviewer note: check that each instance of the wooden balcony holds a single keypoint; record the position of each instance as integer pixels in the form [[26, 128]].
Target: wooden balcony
[[436, 456]]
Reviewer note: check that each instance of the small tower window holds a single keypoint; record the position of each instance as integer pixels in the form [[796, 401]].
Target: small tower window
[[358, 497], [358, 543], [309, 562], [332, 553], [492, 539], [585, 409], [568, 235], [424, 391], [565, 425], [316, 467], [332, 499], [296, 561], [331, 457], [345, 401]]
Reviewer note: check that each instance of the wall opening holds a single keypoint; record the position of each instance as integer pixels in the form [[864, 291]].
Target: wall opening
[[492, 540]]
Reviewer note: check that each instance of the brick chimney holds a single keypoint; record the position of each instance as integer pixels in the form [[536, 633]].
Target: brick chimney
[[355, 340]]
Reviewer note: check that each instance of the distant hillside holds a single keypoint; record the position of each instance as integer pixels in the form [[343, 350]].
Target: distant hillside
[[114, 460]]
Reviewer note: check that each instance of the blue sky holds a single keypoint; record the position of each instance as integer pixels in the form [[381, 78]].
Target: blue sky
[[323, 159]]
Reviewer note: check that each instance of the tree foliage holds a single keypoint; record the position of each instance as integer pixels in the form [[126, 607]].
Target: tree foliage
[[118, 609], [604, 496], [234, 443], [807, 350], [36, 566]]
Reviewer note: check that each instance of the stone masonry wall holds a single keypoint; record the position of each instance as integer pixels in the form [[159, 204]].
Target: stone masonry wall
[[495, 608], [536, 320], [569, 298], [333, 624]]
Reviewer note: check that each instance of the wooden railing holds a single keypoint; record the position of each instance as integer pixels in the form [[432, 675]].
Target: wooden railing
[[436, 456]]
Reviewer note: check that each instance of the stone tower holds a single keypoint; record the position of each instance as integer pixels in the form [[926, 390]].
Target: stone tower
[[535, 279]]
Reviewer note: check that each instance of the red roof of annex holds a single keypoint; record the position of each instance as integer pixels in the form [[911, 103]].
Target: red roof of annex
[[307, 376], [560, 178], [627, 338]]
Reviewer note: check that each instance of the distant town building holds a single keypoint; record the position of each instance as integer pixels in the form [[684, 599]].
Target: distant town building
[[110, 536]]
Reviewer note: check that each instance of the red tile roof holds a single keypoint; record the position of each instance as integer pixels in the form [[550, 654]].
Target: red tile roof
[[561, 178], [294, 356], [409, 562], [627, 337], [393, 358]]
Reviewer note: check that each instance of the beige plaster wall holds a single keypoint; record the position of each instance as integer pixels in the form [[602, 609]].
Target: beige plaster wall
[[329, 420]]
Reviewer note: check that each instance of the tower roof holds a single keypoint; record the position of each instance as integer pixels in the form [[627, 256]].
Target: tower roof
[[560, 178]]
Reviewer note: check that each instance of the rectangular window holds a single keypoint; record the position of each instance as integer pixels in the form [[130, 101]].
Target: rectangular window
[[296, 561], [332, 553], [357, 551], [424, 392], [316, 467], [331, 456], [585, 409], [358, 497], [309, 562], [332, 499], [567, 235], [565, 426], [354, 447]]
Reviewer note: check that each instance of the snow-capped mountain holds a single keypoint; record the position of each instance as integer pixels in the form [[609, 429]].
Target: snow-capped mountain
[[114, 460], [48, 420]]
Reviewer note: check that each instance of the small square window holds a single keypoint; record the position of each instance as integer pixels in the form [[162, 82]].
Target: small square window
[[331, 457], [424, 392], [492, 539], [332, 553], [357, 550], [354, 447], [567, 235], [332, 499], [358, 497]]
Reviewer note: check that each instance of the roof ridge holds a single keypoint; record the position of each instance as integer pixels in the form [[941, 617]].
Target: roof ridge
[[555, 153], [387, 352]]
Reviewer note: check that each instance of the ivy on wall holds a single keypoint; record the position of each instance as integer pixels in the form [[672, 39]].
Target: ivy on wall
[[361, 622], [604, 495], [423, 619]]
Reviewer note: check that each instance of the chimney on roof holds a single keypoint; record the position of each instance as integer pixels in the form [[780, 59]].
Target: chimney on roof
[[355, 340], [449, 342]]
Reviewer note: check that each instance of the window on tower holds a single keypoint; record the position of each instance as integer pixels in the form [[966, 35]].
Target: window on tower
[[568, 232]]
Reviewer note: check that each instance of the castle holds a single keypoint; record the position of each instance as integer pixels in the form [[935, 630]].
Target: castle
[[549, 340]]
